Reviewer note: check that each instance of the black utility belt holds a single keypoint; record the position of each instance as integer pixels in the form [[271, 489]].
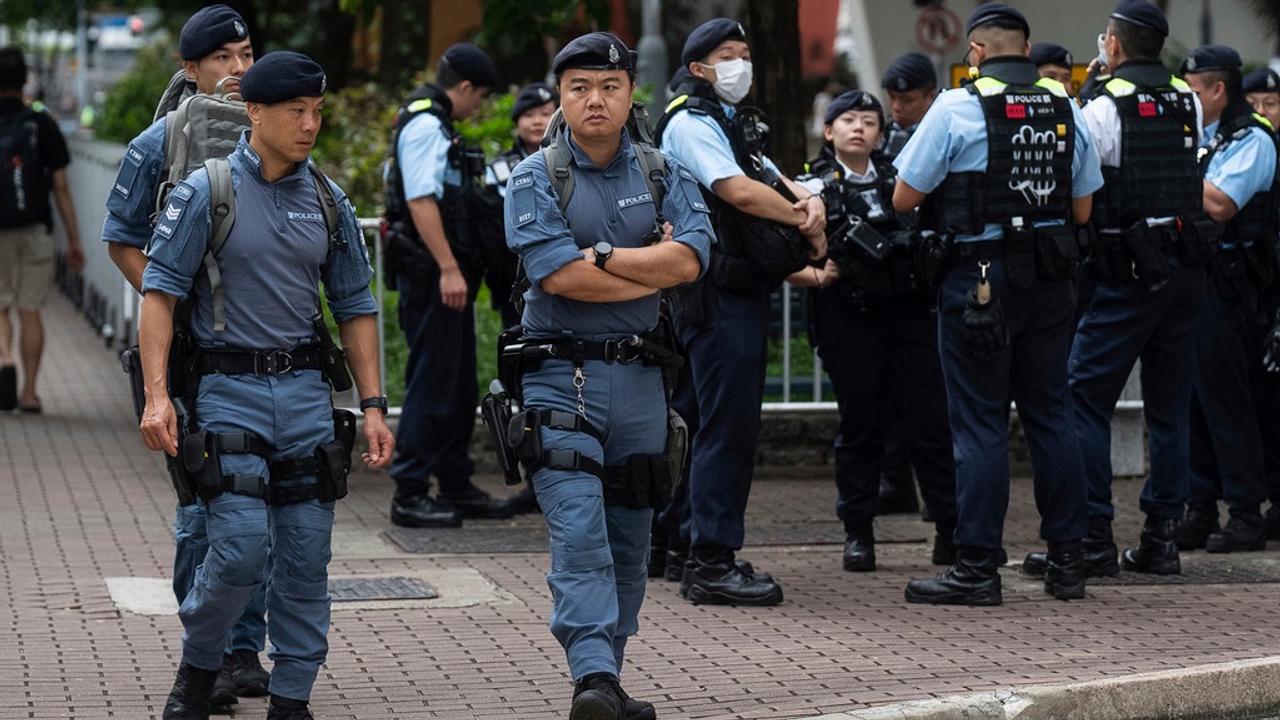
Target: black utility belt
[[260, 362], [628, 350], [1030, 254]]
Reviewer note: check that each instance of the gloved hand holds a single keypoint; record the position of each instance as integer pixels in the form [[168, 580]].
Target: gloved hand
[[1271, 347], [985, 329]]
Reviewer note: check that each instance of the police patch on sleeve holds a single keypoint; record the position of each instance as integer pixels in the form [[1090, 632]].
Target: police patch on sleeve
[[524, 199], [692, 194], [130, 169], [167, 219]]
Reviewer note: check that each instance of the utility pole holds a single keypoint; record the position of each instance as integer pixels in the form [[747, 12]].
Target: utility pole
[[82, 55], [652, 63]]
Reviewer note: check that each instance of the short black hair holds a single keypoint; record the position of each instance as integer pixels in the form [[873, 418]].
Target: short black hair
[[13, 69], [1138, 42], [446, 77], [1231, 79]]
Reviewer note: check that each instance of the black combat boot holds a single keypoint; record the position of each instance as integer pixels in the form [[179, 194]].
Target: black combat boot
[[473, 503], [248, 676], [283, 708], [1272, 521], [189, 698], [1157, 551], [973, 580], [224, 688], [1245, 532], [1196, 526], [944, 544], [633, 709], [597, 697], [859, 549], [420, 511], [715, 578], [1099, 548], [677, 558], [1064, 576]]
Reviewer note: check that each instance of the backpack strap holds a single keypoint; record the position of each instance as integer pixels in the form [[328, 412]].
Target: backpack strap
[[654, 166], [175, 155], [179, 88], [328, 206], [222, 215]]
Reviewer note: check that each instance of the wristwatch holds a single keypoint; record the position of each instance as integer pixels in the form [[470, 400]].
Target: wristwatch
[[604, 251], [377, 401]]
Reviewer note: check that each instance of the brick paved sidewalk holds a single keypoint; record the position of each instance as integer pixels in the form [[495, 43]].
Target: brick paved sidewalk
[[83, 501]]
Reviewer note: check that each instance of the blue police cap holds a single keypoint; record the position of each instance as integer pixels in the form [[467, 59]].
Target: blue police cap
[[853, 100], [1207, 58], [209, 29], [910, 71], [471, 63], [530, 97], [708, 36], [997, 14], [1143, 14], [1050, 54], [282, 75], [1263, 81], [594, 51]]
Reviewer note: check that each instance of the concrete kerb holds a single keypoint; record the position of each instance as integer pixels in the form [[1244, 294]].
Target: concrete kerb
[[1229, 690]]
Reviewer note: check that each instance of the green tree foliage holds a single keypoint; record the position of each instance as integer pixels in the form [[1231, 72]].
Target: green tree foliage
[[131, 102]]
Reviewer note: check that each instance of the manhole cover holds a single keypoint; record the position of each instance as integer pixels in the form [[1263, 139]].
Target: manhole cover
[[1205, 570], [380, 588]]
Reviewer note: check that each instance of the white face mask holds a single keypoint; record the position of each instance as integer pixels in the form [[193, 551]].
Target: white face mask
[[733, 79]]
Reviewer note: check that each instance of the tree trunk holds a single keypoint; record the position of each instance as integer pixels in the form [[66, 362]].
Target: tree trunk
[[773, 30]]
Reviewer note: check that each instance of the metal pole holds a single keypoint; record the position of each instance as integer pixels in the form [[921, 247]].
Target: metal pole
[[651, 65], [786, 343], [817, 377], [82, 56], [366, 225]]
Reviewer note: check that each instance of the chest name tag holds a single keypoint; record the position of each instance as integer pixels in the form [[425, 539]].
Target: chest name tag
[[640, 199]]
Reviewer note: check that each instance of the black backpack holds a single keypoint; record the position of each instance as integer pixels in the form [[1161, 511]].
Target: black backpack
[[24, 186]]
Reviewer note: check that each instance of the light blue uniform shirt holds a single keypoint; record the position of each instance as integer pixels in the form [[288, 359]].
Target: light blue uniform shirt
[[133, 195], [611, 204], [273, 259], [423, 155], [1244, 166], [698, 143], [952, 138]]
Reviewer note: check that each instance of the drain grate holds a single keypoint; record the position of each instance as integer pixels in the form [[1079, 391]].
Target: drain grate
[[380, 588], [1205, 570]]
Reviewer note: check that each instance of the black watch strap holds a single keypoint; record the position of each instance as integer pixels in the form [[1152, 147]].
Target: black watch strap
[[377, 401]]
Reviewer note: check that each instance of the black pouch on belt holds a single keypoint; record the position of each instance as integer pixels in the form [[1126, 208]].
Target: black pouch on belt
[[203, 464], [524, 436], [1057, 253], [1020, 255], [1149, 262]]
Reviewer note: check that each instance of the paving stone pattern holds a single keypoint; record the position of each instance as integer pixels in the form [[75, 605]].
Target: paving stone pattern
[[82, 501]]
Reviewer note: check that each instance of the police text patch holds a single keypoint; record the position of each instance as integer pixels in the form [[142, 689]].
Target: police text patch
[[627, 202]]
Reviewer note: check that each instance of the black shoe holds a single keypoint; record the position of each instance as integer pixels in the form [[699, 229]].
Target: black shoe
[[420, 511], [718, 580], [1065, 571], [1196, 526], [597, 697], [523, 502], [657, 559], [475, 504], [283, 708], [248, 676], [859, 552], [1157, 551], [633, 709], [1099, 550], [676, 559], [1243, 533], [189, 698], [944, 545], [1272, 521], [8, 387], [224, 688], [973, 580], [898, 493]]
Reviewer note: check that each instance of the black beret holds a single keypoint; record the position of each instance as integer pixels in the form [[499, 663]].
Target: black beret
[[1143, 14], [1050, 54], [471, 63], [1263, 81], [910, 71], [282, 75], [1207, 58], [594, 51], [999, 14], [708, 36], [209, 29], [853, 100], [530, 97]]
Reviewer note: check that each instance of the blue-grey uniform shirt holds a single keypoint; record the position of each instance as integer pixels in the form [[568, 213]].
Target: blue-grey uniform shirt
[[133, 196], [272, 262], [610, 204], [1243, 167], [952, 138]]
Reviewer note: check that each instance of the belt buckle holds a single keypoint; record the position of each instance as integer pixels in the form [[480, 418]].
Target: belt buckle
[[273, 362], [612, 351]]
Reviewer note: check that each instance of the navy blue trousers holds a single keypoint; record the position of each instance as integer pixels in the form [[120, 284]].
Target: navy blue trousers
[[1033, 371]]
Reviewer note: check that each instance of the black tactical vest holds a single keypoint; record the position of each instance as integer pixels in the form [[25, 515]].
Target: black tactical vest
[[1030, 146], [1257, 220], [895, 139], [1158, 175]]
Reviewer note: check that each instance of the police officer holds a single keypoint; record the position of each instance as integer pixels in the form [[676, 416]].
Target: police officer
[[1239, 191], [263, 406], [1054, 62], [1147, 266], [871, 319], [1262, 90], [722, 320], [596, 268], [214, 44], [532, 110], [1006, 301], [437, 268], [911, 83]]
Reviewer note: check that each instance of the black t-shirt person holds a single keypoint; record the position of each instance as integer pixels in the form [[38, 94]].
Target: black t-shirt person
[[51, 151]]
